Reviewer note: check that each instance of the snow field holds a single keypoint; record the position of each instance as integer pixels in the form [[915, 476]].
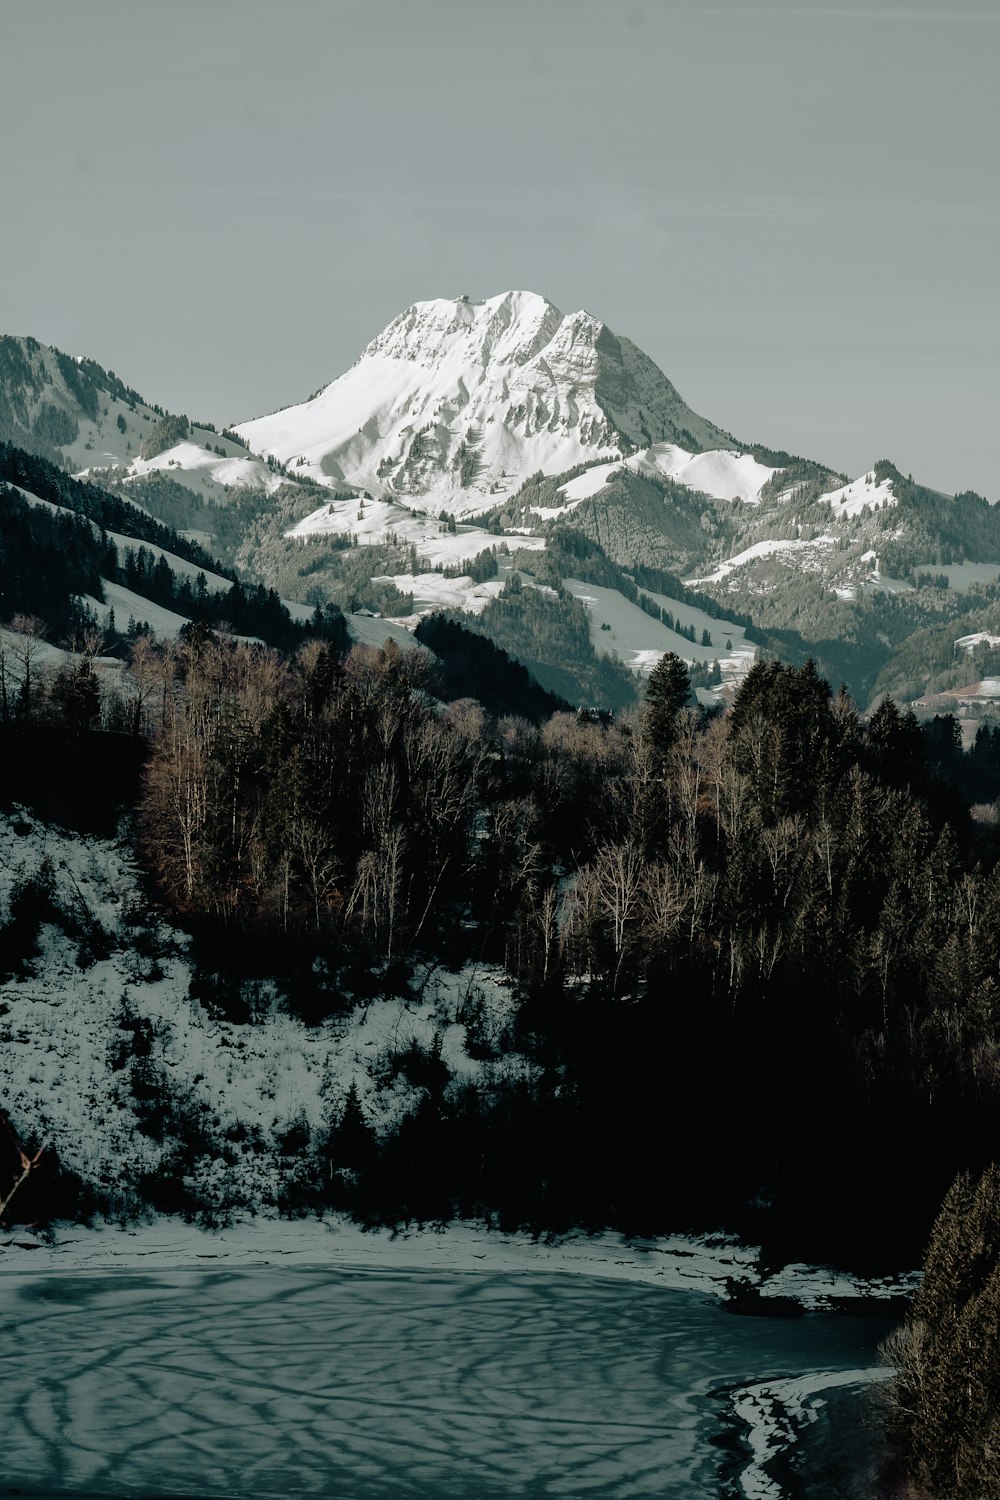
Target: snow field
[[432, 591], [377, 521], [206, 472], [179, 566], [165, 622], [850, 500], [964, 575], [639, 640]]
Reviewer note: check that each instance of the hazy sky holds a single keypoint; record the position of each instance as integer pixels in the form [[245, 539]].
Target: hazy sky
[[793, 208]]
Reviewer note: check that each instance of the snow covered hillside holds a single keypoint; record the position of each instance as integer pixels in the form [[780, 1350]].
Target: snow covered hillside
[[721, 473], [104, 1052], [455, 403]]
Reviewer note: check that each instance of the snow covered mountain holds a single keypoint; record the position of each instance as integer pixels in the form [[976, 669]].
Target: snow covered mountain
[[456, 403], [467, 429]]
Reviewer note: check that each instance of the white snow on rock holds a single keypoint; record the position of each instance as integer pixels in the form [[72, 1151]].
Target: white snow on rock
[[456, 403]]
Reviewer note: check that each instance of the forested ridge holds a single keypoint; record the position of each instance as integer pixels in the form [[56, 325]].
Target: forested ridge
[[52, 559]]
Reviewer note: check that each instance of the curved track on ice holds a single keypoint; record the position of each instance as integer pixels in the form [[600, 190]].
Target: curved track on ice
[[358, 1382]]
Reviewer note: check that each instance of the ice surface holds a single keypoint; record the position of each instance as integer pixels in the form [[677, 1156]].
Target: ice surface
[[374, 1380]]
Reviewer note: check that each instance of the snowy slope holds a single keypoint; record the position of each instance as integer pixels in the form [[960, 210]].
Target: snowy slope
[[455, 403], [850, 500], [620, 627], [68, 408], [65, 1070], [166, 623], [206, 472], [807, 552], [721, 473]]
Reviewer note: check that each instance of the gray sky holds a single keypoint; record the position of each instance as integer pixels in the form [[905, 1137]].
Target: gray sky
[[793, 208]]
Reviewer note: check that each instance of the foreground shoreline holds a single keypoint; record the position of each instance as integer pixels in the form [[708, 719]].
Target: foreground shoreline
[[698, 1263]]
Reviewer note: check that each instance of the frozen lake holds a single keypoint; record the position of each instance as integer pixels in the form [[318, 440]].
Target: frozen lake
[[356, 1382]]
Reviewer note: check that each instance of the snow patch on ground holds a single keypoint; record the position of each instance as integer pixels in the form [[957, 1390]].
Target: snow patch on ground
[[207, 472], [705, 1264], [720, 473], [589, 483], [965, 574], [126, 604], [432, 591], [639, 640], [374, 522], [179, 566]]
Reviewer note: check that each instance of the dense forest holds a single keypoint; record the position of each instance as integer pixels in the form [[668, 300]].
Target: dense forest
[[943, 1408]]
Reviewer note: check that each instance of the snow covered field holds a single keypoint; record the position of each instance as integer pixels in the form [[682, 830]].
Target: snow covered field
[[626, 631]]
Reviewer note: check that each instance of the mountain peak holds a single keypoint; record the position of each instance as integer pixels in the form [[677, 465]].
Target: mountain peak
[[508, 329], [456, 402]]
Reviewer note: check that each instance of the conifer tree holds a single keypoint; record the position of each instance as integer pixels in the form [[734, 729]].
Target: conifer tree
[[667, 692]]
